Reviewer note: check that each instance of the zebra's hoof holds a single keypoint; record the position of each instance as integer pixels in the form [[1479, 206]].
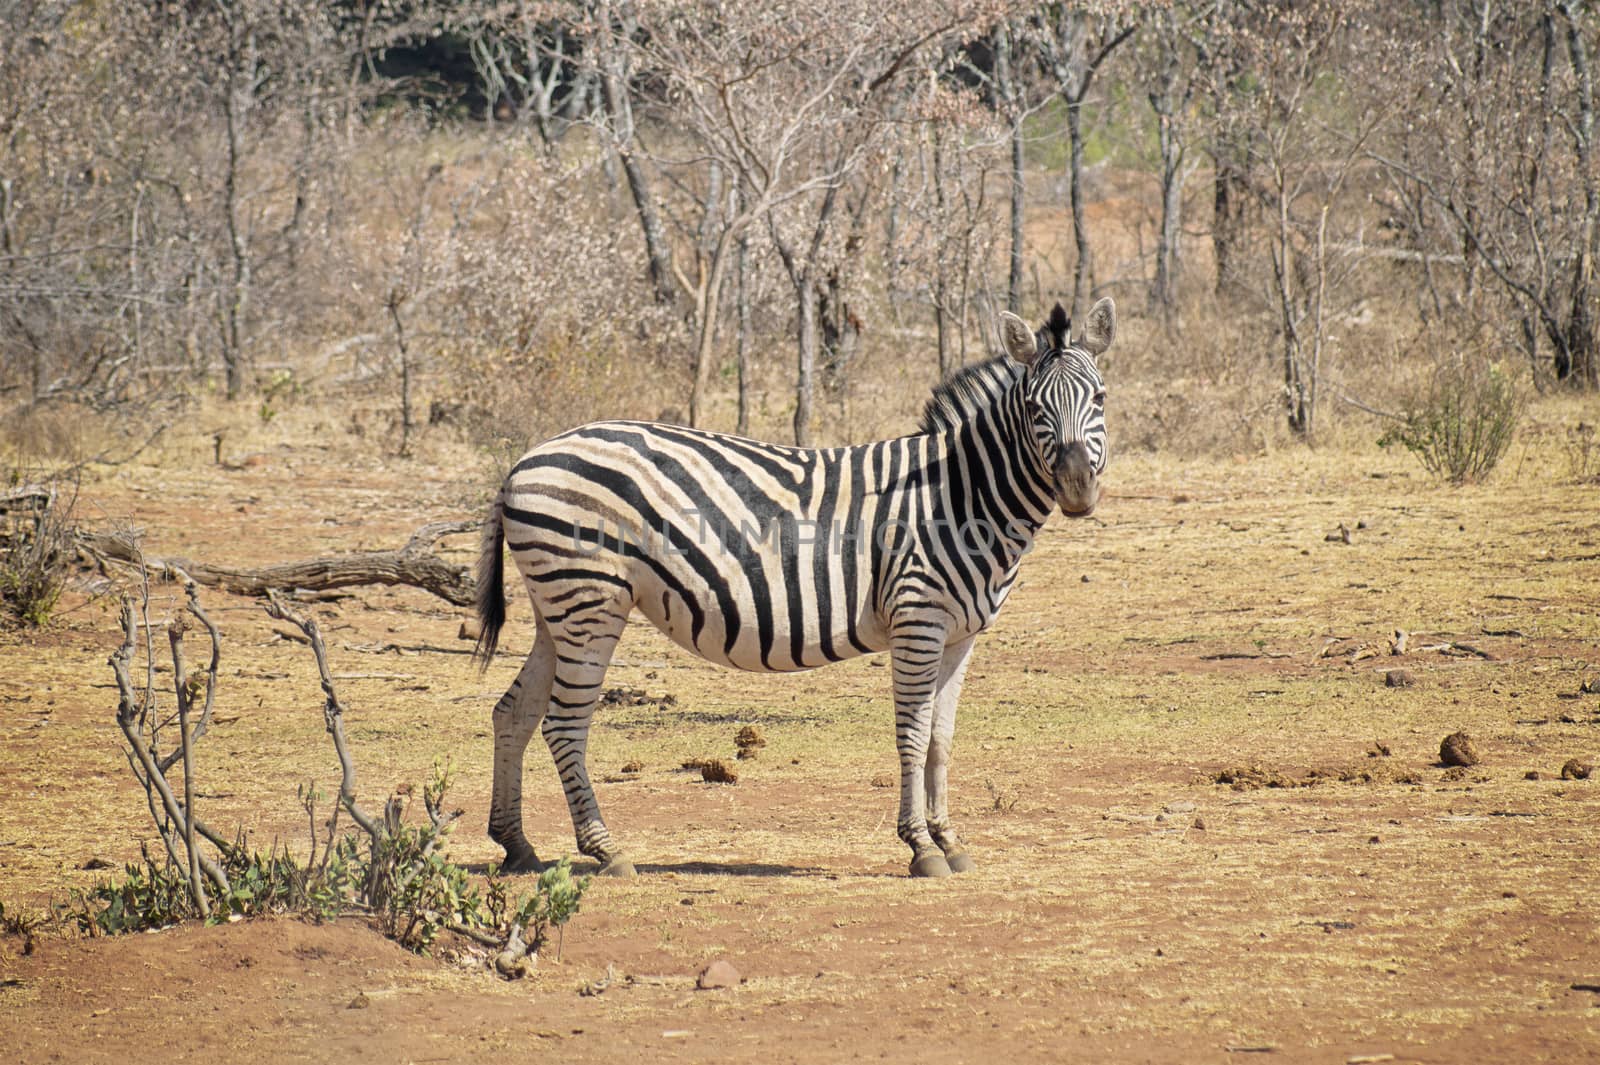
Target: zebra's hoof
[[959, 861], [521, 860], [618, 866], [930, 865]]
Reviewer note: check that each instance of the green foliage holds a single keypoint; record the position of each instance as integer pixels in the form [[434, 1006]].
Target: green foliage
[[281, 386], [1461, 426], [402, 879], [150, 894], [554, 902], [415, 891]]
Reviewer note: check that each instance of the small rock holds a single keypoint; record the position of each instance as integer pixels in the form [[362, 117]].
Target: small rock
[[1084, 578], [718, 974], [1532, 774], [360, 1002], [1399, 678], [634, 766], [1198, 824], [884, 780], [1374, 839], [1457, 749], [95, 863], [1379, 749], [749, 738], [1576, 770], [470, 630]]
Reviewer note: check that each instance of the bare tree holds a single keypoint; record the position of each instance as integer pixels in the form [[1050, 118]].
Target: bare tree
[[1505, 164], [1312, 248], [785, 102], [1076, 41], [1169, 60], [952, 146], [617, 30]]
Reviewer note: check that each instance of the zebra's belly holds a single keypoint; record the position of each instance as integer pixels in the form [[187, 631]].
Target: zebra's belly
[[760, 627]]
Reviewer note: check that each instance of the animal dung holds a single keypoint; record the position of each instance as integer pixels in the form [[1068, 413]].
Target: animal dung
[[1457, 749], [1576, 770], [749, 741], [716, 771]]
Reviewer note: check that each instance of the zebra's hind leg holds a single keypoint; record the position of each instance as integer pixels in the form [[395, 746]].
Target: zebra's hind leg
[[952, 669], [584, 638], [516, 716], [917, 648]]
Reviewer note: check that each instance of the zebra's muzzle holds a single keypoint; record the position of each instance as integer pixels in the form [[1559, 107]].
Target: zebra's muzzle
[[1076, 483]]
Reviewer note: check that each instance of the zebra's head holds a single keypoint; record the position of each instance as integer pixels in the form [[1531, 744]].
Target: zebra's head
[[1065, 400]]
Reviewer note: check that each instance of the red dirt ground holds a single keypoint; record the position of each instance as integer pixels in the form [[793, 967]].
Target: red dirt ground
[[1126, 907]]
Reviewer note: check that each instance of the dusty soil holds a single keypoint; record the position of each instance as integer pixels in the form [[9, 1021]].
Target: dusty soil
[[1126, 906]]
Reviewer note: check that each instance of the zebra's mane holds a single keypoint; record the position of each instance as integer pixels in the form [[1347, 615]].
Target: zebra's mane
[[967, 391]]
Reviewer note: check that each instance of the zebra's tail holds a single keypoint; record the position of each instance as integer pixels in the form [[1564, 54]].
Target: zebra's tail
[[491, 584]]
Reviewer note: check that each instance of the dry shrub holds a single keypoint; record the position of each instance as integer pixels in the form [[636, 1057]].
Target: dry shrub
[[1583, 451], [1461, 425], [35, 543]]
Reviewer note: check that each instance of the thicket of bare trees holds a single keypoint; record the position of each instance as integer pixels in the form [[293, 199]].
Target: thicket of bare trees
[[533, 212]]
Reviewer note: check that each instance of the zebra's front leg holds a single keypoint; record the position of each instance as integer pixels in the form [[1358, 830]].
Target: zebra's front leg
[[917, 649], [516, 716], [952, 670], [583, 651]]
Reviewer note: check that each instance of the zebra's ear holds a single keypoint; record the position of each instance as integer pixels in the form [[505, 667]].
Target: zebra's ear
[[1102, 327], [1018, 338]]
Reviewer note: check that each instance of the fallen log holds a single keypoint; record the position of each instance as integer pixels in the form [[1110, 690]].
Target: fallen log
[[414, 565]]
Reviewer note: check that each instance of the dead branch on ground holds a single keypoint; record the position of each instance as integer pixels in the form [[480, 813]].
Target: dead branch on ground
[[413, 565]]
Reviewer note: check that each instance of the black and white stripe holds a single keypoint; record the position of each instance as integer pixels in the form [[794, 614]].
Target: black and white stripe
[[773, 558]]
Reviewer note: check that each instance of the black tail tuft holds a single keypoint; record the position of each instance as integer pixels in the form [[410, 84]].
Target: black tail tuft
[[491, 584]]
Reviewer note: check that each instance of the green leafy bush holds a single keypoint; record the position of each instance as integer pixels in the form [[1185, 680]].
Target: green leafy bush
[[1462, 424]]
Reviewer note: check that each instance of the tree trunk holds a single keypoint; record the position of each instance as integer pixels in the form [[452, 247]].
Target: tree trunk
[[742, 313], [941, 266], [619, 108], [1286, 270], [1083, 269], [1227, 208], [709, 300], [1006, 88], [804, 388], [1165, 293], [1584, 360], [241, 94]]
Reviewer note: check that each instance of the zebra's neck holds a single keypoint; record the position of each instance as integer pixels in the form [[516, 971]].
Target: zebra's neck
[[995, 469]]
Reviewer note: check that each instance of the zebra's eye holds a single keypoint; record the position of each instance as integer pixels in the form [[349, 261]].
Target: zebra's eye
[[1100, 398]]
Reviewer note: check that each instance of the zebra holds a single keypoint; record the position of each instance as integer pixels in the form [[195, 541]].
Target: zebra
[[772, 558]]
